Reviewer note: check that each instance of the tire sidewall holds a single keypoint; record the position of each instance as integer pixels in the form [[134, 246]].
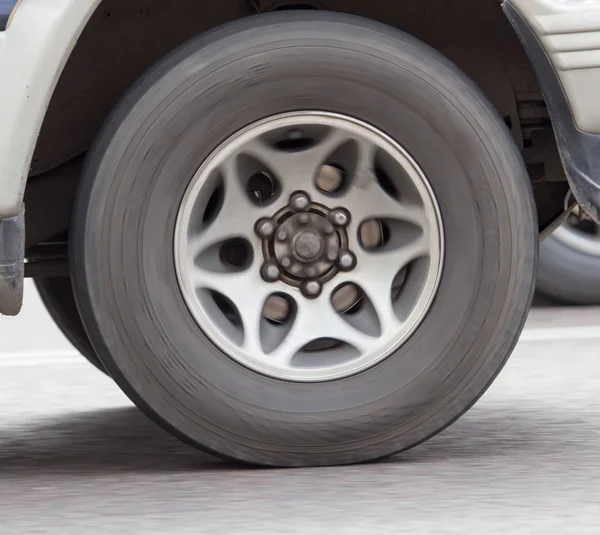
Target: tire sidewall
[[57, 297]]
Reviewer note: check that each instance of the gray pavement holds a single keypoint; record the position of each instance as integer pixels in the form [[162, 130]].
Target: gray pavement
[[77, 458]]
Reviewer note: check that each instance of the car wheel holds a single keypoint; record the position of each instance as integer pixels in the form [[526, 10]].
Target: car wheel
[[569, 264], [304, 239], [56, 294]]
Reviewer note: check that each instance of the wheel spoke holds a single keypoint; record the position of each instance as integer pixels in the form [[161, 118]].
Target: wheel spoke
[[296, 169], [364, 175], [365, 195], [237, 215], [375, 274], [247, 291], [315, 320], [379, 292], [368, 199]]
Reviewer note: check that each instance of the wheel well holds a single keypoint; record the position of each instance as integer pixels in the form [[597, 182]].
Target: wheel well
[[123, 39]]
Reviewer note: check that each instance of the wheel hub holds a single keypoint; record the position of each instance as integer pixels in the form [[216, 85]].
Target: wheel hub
[[306, 245]]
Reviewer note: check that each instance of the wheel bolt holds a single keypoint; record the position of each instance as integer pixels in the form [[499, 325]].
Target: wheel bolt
[[332, 255], [282, 235], [346, 261], [299, 201], [328, 229], [311, 289], [312, 272], [265, 228], [286, 262], [270, 272], [304, 219], [339, 217]]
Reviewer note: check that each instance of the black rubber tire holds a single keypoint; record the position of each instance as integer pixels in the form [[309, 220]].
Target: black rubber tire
[[57, 295], [567, 275], [165, 127]]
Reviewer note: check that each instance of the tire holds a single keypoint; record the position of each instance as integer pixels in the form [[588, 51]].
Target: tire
[[569, 266], [57, 296], [136, 179]]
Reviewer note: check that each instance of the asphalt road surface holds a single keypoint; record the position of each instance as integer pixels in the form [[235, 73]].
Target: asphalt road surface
[[77, 458]]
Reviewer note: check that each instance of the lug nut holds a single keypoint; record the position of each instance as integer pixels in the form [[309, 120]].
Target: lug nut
[[270, 272], [311, 289], [282, 235], [286, 262], [339, 217], [265, 228], [346, 261], [304, 219], [299, 201]]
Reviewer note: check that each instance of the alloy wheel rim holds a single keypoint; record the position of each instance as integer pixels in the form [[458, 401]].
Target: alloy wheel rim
[[309, 246], [579, 235]]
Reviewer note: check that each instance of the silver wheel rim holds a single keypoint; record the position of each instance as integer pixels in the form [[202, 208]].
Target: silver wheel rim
[[282, 305], [581, 236]]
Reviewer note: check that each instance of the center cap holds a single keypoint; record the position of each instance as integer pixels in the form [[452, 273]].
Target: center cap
[[307, 245]]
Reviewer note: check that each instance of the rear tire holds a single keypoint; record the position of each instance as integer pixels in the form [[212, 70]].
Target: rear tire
[[569, 266], [57, 295], [174, 121]]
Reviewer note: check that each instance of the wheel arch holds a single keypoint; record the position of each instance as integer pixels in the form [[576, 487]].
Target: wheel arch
[[55, 119], [117, 42], [560, 39], [120, 41], [33, 52]]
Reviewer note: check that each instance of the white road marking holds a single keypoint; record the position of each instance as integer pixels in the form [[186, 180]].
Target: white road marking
[[547, 334], [41, 358], [72, 357]]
